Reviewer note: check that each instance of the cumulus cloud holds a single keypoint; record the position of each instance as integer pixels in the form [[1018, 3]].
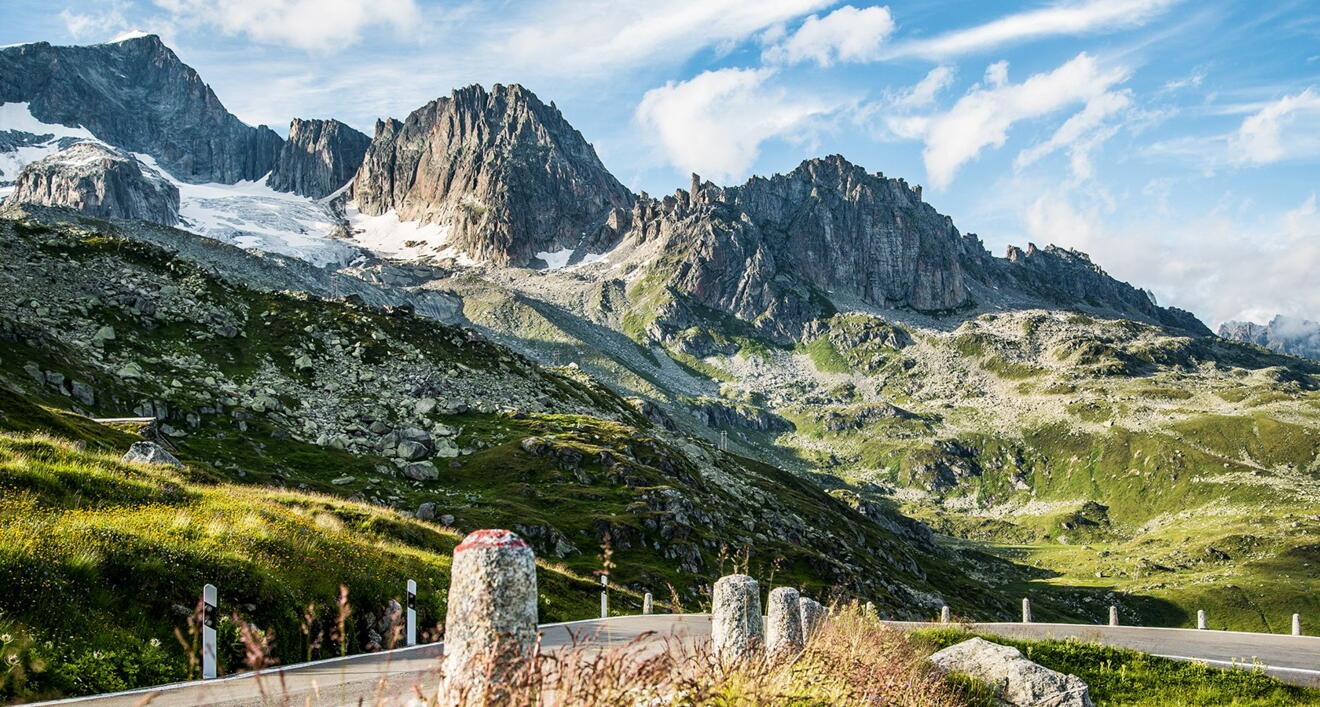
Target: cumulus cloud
[[715, 123], [983, 116], [1286, 128], [1058, 19], [318, 25], [845, 35]]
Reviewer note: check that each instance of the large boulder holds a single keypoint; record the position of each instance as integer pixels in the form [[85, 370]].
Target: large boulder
[[150, 453], [1019, 681]]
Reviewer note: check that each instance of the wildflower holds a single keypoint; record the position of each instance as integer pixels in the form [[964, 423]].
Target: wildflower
[[5, 638], [12, 659], [155, 642]]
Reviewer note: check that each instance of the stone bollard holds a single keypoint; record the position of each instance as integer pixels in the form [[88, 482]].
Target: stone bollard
[[490, 625], [1200, 619], [783, 632], [1026, 610], [647, 604], [1297, 625], [813, 616], [1113, 616], [945, 615], [604, 597], [870, 609], [735, 617]]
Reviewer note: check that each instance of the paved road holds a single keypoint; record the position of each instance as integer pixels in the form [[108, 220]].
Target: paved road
[[1294, 659], [390, 677], [360, 679]]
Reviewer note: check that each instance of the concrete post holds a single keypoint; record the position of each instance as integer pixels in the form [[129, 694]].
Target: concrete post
[[1297, 625], [813, 615], [490, 625], [1026, 610], [735, 621], [1113, 615], [870, 609], [783, 633], [604, 596], [945, 614], [410, 638], [647, 604], [210, 600], [1200, 619]]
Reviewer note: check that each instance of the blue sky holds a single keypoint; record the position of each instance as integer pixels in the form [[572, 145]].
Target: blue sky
[[1177, 142]]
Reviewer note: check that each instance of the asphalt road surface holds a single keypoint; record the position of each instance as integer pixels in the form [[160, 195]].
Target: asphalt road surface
[[392, 677]]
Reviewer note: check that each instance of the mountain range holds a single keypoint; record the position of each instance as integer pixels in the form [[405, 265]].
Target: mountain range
[[465, 315]]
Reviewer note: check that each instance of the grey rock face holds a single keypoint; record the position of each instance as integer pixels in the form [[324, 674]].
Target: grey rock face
[[99, 181], [506, 173], [150, 453], [1287, 335], [774, 251], [421, 471], [319, 157], [137, 94], [1020, 681], [735, 617]]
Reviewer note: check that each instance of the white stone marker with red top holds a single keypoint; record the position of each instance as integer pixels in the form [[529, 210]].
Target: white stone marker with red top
[[490, 625]]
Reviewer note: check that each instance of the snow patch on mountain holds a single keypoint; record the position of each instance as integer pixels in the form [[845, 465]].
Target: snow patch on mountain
[[24, 139], [251, 215], [391, 237]]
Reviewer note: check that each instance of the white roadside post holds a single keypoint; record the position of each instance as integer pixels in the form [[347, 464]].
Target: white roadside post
[[647, 604], [1026, 610], [411, 637], [1113, 616], [945, 614], [209, 603], [604, 596], [1297, 625], [1200, 619]]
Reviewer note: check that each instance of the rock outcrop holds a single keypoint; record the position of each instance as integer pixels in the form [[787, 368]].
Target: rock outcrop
[[136, 94], [1017, 680], [504, 172], [1287, 335], [320, 157], [99, 181], [776, 253]]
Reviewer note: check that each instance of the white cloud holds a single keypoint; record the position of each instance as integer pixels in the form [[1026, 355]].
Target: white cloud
[[1286, 128], [845, 35], [715, 123], [996, 74], [97, 25], [1080, 134], [1223, 264], [319, 25], [1059, 19], [983, 116], [599, 37]]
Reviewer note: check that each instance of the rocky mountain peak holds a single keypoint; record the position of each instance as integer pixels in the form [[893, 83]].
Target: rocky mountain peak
[[1283, 334], [320, 157], [505, 173], [100, 181], [137, 95]]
